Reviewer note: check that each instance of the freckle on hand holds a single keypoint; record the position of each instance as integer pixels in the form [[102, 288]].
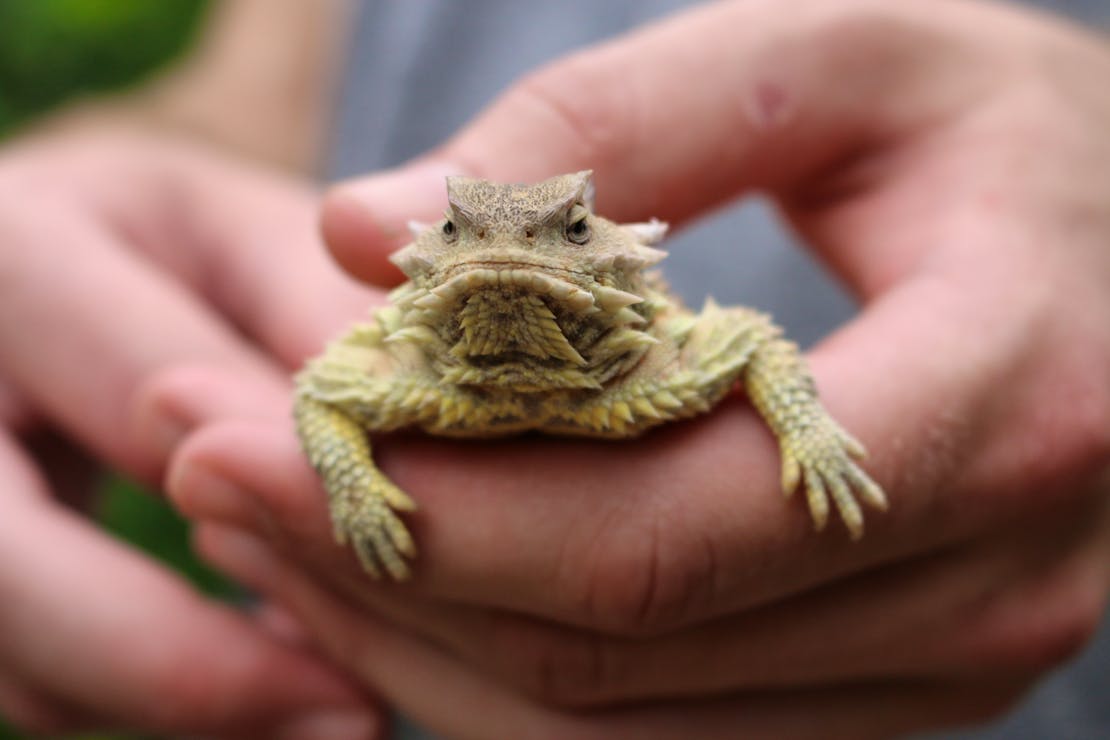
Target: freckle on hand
[[769, 105]]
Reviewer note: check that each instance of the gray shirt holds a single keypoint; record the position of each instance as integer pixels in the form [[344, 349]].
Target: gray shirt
[[419, 70]]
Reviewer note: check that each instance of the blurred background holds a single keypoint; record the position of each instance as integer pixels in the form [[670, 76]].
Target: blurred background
[[52, 51]]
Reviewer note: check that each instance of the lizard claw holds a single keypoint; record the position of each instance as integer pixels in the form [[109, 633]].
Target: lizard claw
[[365, 517], [821, 455]]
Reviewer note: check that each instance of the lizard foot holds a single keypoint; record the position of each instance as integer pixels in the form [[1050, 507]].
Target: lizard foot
[[364, 514], [820, 455]]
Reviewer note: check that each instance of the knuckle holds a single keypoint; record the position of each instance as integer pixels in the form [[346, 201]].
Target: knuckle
[[557, 666], [1040, 633], [1085, 429], [594, 126], [162, 390], [156, 420], [188, 393], [1071, 447], [645, 578]]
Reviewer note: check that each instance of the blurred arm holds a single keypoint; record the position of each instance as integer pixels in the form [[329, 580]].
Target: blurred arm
[[259, 81]]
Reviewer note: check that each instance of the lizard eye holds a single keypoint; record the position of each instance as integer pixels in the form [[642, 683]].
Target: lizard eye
[[449, 230], [578, 231]]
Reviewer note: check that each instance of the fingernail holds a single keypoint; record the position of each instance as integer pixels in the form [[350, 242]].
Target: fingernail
[[393, 198], [203, 493], [331, 726]]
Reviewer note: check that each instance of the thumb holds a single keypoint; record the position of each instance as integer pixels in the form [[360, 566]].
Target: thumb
[[674, 118]]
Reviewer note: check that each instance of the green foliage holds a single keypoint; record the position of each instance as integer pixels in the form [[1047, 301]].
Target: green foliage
[[147, 521], [51, 50]]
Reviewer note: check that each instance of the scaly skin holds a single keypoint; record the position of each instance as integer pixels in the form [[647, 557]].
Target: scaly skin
[[526, 311]]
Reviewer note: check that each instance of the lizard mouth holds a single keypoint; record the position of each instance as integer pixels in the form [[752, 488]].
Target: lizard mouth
[[508, 276], [527, 277], [513, 263]]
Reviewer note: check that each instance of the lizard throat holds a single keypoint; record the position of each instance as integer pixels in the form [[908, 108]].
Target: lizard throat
[[495, 323], [525, 330], [510, 337]]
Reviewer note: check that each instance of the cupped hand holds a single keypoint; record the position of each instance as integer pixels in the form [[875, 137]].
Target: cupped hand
[[949, 162], [121, 255]]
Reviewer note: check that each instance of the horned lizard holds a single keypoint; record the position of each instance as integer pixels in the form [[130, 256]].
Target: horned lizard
[[524, 310]]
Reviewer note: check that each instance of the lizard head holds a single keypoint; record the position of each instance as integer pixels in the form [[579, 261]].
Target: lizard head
[[525, 286]]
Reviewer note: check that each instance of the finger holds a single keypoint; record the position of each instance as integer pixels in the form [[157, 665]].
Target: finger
[[1008, 609], [243, 238], [267, 268], [1014, 605], [258, 474], [635, 535], [444, 696], [791, 94], [652, 560], [32, 711], [76, 356], [364, 221], [175, 234], [172, 402], [282, 625], [616, 566], [138, 646]]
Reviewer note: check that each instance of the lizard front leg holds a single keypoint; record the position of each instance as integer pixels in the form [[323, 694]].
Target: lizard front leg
[[364, 502], [816, 451]]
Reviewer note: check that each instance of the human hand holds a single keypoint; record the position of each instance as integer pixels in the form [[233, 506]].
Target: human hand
[[956, 181], [117, 255]]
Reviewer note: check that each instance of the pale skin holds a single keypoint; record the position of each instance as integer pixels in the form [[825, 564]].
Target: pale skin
[[85, 214], [991, 568], [99, 255], [971, 221]]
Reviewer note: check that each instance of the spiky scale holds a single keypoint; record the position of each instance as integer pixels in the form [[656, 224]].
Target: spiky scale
[[666, 399], [493, 335], [613, 300], [644, 407], [622, 411]]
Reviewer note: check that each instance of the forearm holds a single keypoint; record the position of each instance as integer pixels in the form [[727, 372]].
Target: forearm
[[258, 82]]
